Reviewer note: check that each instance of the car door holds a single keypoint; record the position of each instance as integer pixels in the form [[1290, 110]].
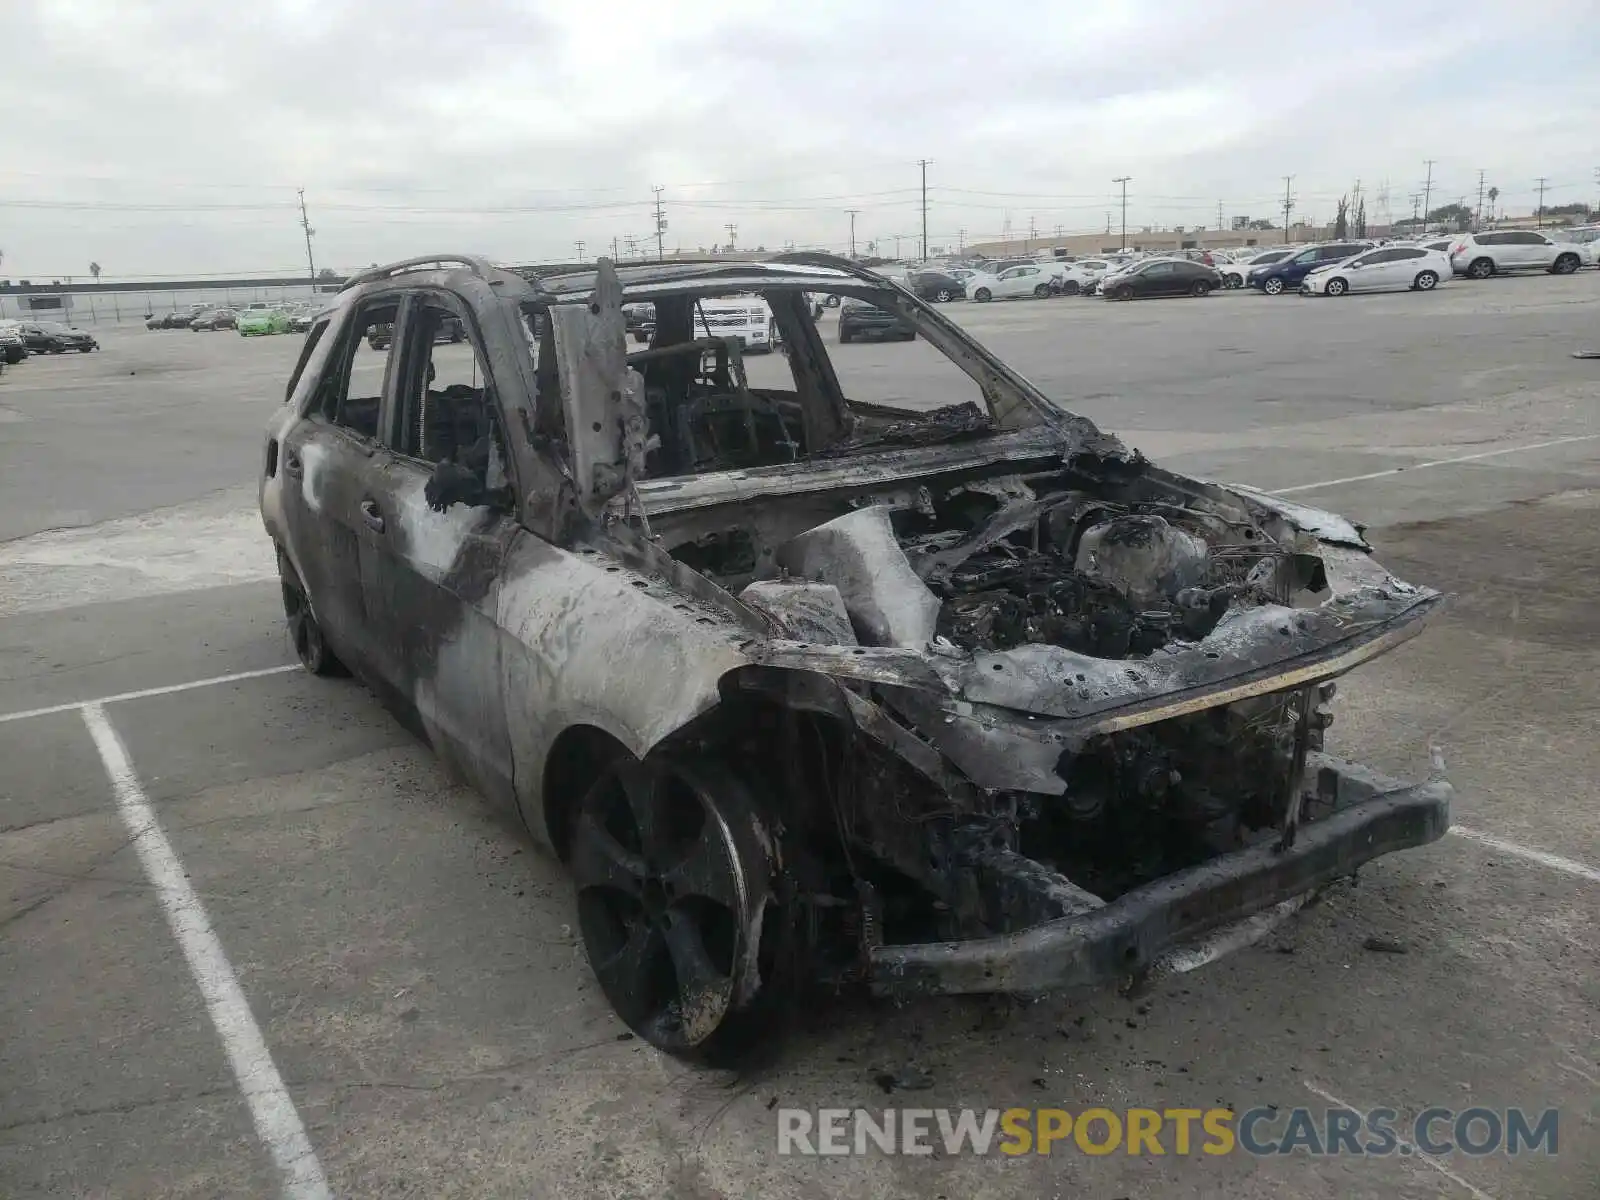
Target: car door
[[1010, 283], [1405, 264], [1540, 250], [325, 459], [1155, 279], [1367, 273], [432, 574]]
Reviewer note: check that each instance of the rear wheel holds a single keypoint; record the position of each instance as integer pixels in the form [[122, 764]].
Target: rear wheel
[[983, 295], [1273, 286], [942, 296], [1200, 290], [1232, 281], [1481, 268], [1426, 281], [679, 906], [1071, 288], [1565, 264], [1042, 291], [310, 647], [1337, 287], [1125, 292]]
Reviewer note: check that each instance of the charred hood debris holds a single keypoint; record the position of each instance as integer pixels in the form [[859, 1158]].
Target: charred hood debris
[[967, 699]]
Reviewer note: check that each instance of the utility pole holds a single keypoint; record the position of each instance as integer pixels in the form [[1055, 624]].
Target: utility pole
[[733, 232], [1123, 180], [852, 212], [961, 240], [1033, 233], [1219, 216], [661, 226], [923, 163], [1288, 206], [305, 223], [579, 245], [1427, 194], [614, 255], [1416, 199], [897, 247], [1539, 213], [1477, 213]]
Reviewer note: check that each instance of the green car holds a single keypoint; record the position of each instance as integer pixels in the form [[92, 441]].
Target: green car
[[257, 321]]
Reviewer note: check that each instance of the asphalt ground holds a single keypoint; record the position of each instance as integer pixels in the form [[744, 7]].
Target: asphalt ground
[[253, 941]]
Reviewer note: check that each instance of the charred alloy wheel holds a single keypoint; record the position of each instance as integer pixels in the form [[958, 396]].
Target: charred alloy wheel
[[1041, 292], [1273, 286], [676, 906], [1071, 287], [1481, 268], [1337, 287], [309, 644], [982, 295]]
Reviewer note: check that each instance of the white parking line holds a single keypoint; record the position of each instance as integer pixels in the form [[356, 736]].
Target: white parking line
[[1438, 462], [271, 1107], [1543, 857], [1412, 1154], [168, 690]]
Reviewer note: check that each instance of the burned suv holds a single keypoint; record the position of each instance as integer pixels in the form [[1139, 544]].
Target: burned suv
[[811, 676]]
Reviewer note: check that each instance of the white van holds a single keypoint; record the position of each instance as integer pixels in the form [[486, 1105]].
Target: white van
[[745, 317]]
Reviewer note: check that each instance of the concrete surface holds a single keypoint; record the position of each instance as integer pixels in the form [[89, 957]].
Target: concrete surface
[[410, 959]]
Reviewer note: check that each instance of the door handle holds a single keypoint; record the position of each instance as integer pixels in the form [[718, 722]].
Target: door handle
[[292, 466], [371, 515]]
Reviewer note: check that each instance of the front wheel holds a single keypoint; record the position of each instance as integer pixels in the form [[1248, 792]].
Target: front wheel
[[1071, 288], [983, 295], [1337, 287], [682, 907], [1426, 281], [1566, 264], [1232, 281], [1125, 292], [1273, 286], [844, 337], [1041, 292], [1200, 290]]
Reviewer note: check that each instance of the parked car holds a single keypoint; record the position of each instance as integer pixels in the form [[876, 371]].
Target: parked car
[[51, 337], [1162, 277], [938, 286], [789, 681], [1236, 272], [447, 329], [1584, 241], [1384, 269], [1499, 251], [13, 346], [214, 319], [861, 321], [1023, 280], [260, 322], [300, 319], [1287, 273]]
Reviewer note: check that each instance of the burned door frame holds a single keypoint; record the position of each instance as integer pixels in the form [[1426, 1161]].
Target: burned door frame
[[433, 580], [330, 463]]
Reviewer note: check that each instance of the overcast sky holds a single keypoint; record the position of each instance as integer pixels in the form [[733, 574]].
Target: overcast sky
[[171, 137]]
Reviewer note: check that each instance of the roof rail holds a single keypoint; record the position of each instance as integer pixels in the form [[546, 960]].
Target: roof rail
[[479, 266]]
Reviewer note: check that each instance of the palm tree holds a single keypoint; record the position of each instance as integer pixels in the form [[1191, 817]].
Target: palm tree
[[1494, 194], [94, 269]]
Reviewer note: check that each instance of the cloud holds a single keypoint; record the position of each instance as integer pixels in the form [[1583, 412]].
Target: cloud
[[172, 138]]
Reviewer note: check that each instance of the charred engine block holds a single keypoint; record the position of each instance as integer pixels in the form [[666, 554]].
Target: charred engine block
[[1124, 586]]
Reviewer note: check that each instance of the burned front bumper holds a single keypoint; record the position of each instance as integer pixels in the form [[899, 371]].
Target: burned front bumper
[[1369, 815]]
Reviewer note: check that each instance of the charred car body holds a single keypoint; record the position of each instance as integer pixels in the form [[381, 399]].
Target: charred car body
[[967, 699]]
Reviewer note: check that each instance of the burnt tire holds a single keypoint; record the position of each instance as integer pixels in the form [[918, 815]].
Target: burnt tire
[[1337, 287], [983, 295], [1480, 268], [1041, 292], [305, 634], [1426, 281], [1071, 288], [1565, 264], [683, 910]]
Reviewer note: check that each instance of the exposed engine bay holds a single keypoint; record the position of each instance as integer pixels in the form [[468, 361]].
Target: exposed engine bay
[[1116, 565]]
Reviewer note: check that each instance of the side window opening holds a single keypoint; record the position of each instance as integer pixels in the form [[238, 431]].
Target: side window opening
[[351, 391], [447, 414]]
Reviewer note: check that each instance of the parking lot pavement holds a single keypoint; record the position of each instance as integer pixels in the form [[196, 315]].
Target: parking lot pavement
[[408, 958]]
